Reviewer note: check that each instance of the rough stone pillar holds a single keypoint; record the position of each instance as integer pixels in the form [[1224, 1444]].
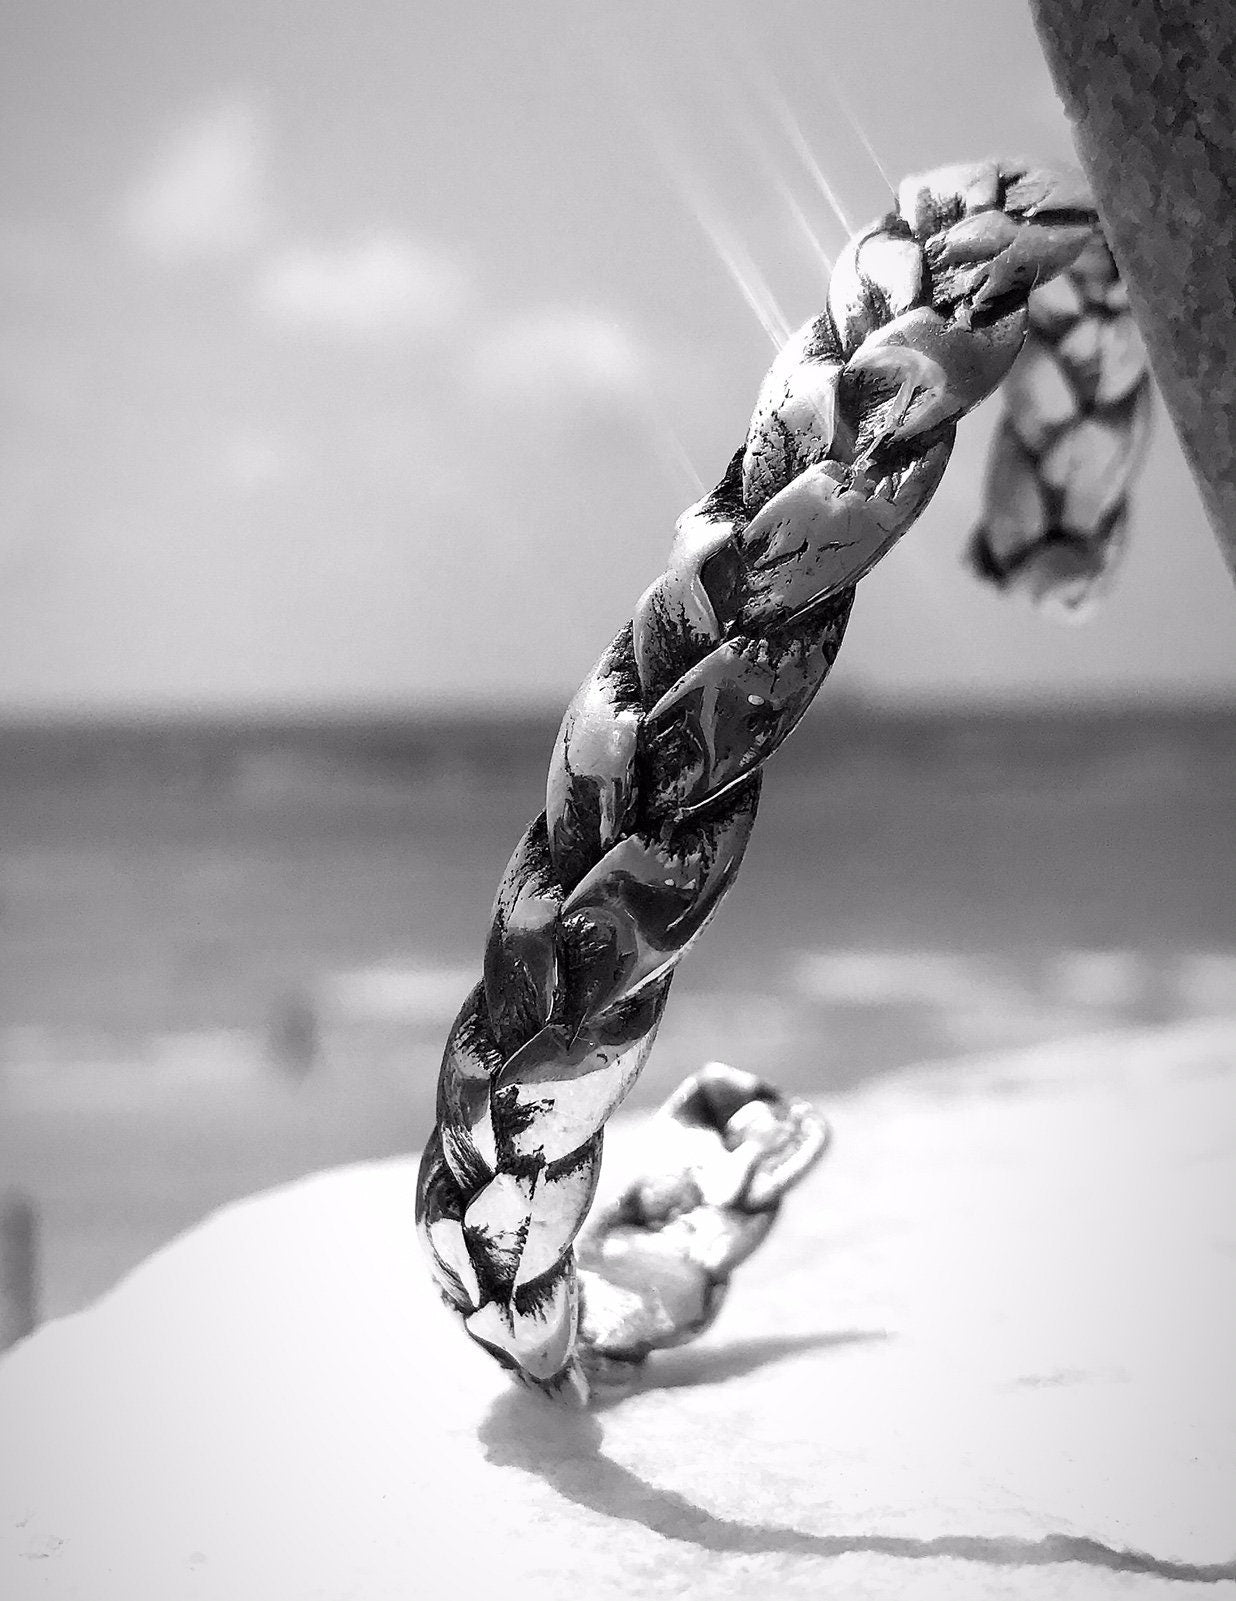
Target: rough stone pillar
[[1150, 86]]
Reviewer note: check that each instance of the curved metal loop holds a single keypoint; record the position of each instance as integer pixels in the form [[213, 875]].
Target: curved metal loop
[[654, 1267]]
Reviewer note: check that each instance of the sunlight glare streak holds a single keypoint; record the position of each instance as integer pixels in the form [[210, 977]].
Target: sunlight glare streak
[[674, 453], [751, 284], [747, 277], [759, 149], [798, 139], [749, 69], [858, 129], [800, 217], [620, 68]]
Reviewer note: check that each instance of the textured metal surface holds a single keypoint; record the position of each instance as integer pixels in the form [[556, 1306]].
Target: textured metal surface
[[1074, 426], [654, 781]]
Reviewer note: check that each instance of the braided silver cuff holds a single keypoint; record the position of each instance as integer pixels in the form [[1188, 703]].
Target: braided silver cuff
[[655, 776]]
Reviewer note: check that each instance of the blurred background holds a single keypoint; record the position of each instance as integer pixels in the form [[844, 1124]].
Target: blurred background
[[356, 364]]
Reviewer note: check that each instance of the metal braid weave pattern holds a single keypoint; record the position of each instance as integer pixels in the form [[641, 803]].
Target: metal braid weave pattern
[[655, 776]]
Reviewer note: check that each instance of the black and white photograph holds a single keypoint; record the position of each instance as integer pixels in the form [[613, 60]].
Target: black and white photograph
[[618, 801]]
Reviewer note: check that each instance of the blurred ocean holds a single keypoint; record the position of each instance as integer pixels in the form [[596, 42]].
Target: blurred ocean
[[231, 952]]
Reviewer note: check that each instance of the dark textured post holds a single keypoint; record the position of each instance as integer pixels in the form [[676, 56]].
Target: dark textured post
[[19, 1269], [1150, 86]]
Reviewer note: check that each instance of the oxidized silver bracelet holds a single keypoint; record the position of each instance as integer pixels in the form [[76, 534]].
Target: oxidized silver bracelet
[[983, 274]]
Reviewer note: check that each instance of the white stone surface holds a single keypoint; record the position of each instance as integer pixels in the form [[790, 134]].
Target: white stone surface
[[988, 1354]]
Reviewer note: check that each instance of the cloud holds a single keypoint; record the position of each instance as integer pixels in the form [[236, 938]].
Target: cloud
[[204, 193], [558, 355], [381, 284]]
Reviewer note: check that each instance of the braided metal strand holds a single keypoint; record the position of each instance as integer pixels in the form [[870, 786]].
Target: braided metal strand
[[1074, 426], [653, 787]]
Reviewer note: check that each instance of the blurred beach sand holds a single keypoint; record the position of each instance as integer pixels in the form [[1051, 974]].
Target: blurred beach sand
[[986, 1353]]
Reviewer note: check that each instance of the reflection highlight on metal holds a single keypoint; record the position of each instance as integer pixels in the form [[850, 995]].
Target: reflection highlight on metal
[[983, 273]]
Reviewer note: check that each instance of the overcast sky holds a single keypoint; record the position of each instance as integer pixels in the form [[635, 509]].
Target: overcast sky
[[366, 354]]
